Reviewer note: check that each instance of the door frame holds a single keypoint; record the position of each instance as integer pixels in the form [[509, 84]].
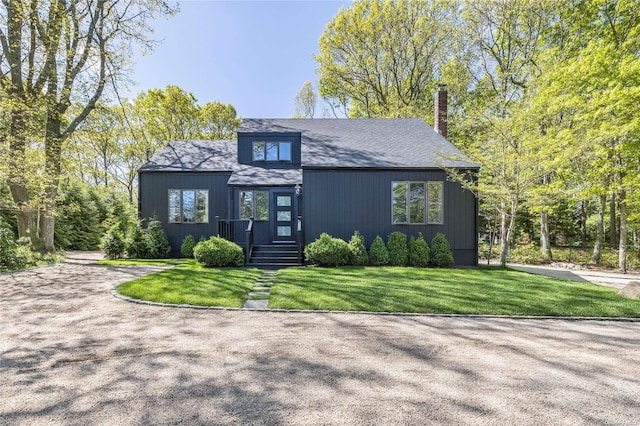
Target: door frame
[[274, 193]]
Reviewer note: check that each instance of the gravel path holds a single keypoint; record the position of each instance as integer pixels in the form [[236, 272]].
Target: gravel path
[[70, 353]]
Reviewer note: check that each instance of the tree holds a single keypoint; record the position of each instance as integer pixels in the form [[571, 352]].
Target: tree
[[305, 101], [380, 58], [218, 121], [56, 52]]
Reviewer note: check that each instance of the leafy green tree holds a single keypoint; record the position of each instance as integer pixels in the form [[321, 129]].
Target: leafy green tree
[[378, 253], [440, 251], [359, 255], [381, 58], [398, 250], [419, 254], [218, 121], [305, 101], [77, 225]]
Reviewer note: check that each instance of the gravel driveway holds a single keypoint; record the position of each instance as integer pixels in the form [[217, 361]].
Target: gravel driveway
[[71, 353]]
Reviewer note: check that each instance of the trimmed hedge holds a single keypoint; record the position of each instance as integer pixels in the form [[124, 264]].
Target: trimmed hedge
[[441, 255], [218, 252], [359, 255], [378, 253], [397, 247], [188, 244], [419, 253], [328, 251]]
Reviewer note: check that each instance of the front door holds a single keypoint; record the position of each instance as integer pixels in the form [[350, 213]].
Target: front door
[[283, 224]]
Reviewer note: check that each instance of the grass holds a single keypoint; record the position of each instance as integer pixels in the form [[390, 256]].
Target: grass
[[456, 291], [141, 262], [190, 283]]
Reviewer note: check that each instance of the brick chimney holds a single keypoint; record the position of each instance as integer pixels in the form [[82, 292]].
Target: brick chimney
[[440, 109]]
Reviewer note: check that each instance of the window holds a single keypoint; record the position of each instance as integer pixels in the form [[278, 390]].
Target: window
[[272, 151], [411, 200], [188, 206], [254, 204]]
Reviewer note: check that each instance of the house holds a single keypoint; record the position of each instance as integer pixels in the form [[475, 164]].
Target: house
[[285, 181]]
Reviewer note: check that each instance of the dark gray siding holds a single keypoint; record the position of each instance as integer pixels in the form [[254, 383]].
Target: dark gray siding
[[154, 195], [245, 144], [341, 201]]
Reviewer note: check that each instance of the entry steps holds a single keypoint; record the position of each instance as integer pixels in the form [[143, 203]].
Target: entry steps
[[274, 256]]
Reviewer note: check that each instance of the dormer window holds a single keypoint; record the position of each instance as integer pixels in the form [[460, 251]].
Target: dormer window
[[272, 151]]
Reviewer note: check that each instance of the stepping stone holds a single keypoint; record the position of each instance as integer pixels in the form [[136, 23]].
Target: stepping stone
[[258, 293], [256, 304], [262, 289]]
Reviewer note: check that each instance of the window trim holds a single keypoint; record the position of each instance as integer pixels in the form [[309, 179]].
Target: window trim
[[181, 206], [264, 151], [427, 198], [253, 205]]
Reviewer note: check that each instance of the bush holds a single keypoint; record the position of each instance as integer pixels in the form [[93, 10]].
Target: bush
[[359, 255], [418, 252], [12, 255], [378, 254], [76, 222], [441, 255], [137, 243], [328, 251], [113, 244], [397, 247], [156, 240], [186, 249], [217, 251]]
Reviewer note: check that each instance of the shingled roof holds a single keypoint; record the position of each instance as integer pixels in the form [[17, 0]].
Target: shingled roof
[[366, 142], [195, 155], [326, 143]]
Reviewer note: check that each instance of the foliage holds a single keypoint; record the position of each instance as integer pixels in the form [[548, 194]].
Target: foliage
[[398, 250], [358, 249], [218, 252], [12, 256], [328, 251], [419, 254], [378, 253], [157, 242], [137, 243], [440, 251], [305, 101], [77, 225], [113, 243], [191, 283], [188, 244], [380, 58]]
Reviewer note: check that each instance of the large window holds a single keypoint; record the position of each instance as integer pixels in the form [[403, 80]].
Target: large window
[[272, 151], [254, 204], [188, 206], [417, 202]]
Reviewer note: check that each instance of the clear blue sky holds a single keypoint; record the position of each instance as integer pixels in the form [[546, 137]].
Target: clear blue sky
[[255, 55]]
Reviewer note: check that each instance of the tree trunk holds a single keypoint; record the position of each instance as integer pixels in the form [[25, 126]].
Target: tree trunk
[[613, 240], [53, 151], [597, 248], [585, 216], [545, 244], [506, 227], [622, 248]]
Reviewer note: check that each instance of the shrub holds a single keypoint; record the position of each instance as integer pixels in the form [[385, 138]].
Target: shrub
[[378, 253], [12, 255], [217, 251], [186, 249], [77, 225], [441, 255], [156, 240], [113, 244], [328, 251], [419, 254], [137, 243], [397, 247], [359, 255]]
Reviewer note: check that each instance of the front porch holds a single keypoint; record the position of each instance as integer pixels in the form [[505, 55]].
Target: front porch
[[277, 254]]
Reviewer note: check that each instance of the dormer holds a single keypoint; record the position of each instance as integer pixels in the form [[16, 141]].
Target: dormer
[[266, 149]]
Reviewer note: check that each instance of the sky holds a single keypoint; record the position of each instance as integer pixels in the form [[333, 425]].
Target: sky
[[255, 55]]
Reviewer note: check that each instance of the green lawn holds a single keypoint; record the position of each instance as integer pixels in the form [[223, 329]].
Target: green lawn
[[142, 262], [460, 291], [191, 283]]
